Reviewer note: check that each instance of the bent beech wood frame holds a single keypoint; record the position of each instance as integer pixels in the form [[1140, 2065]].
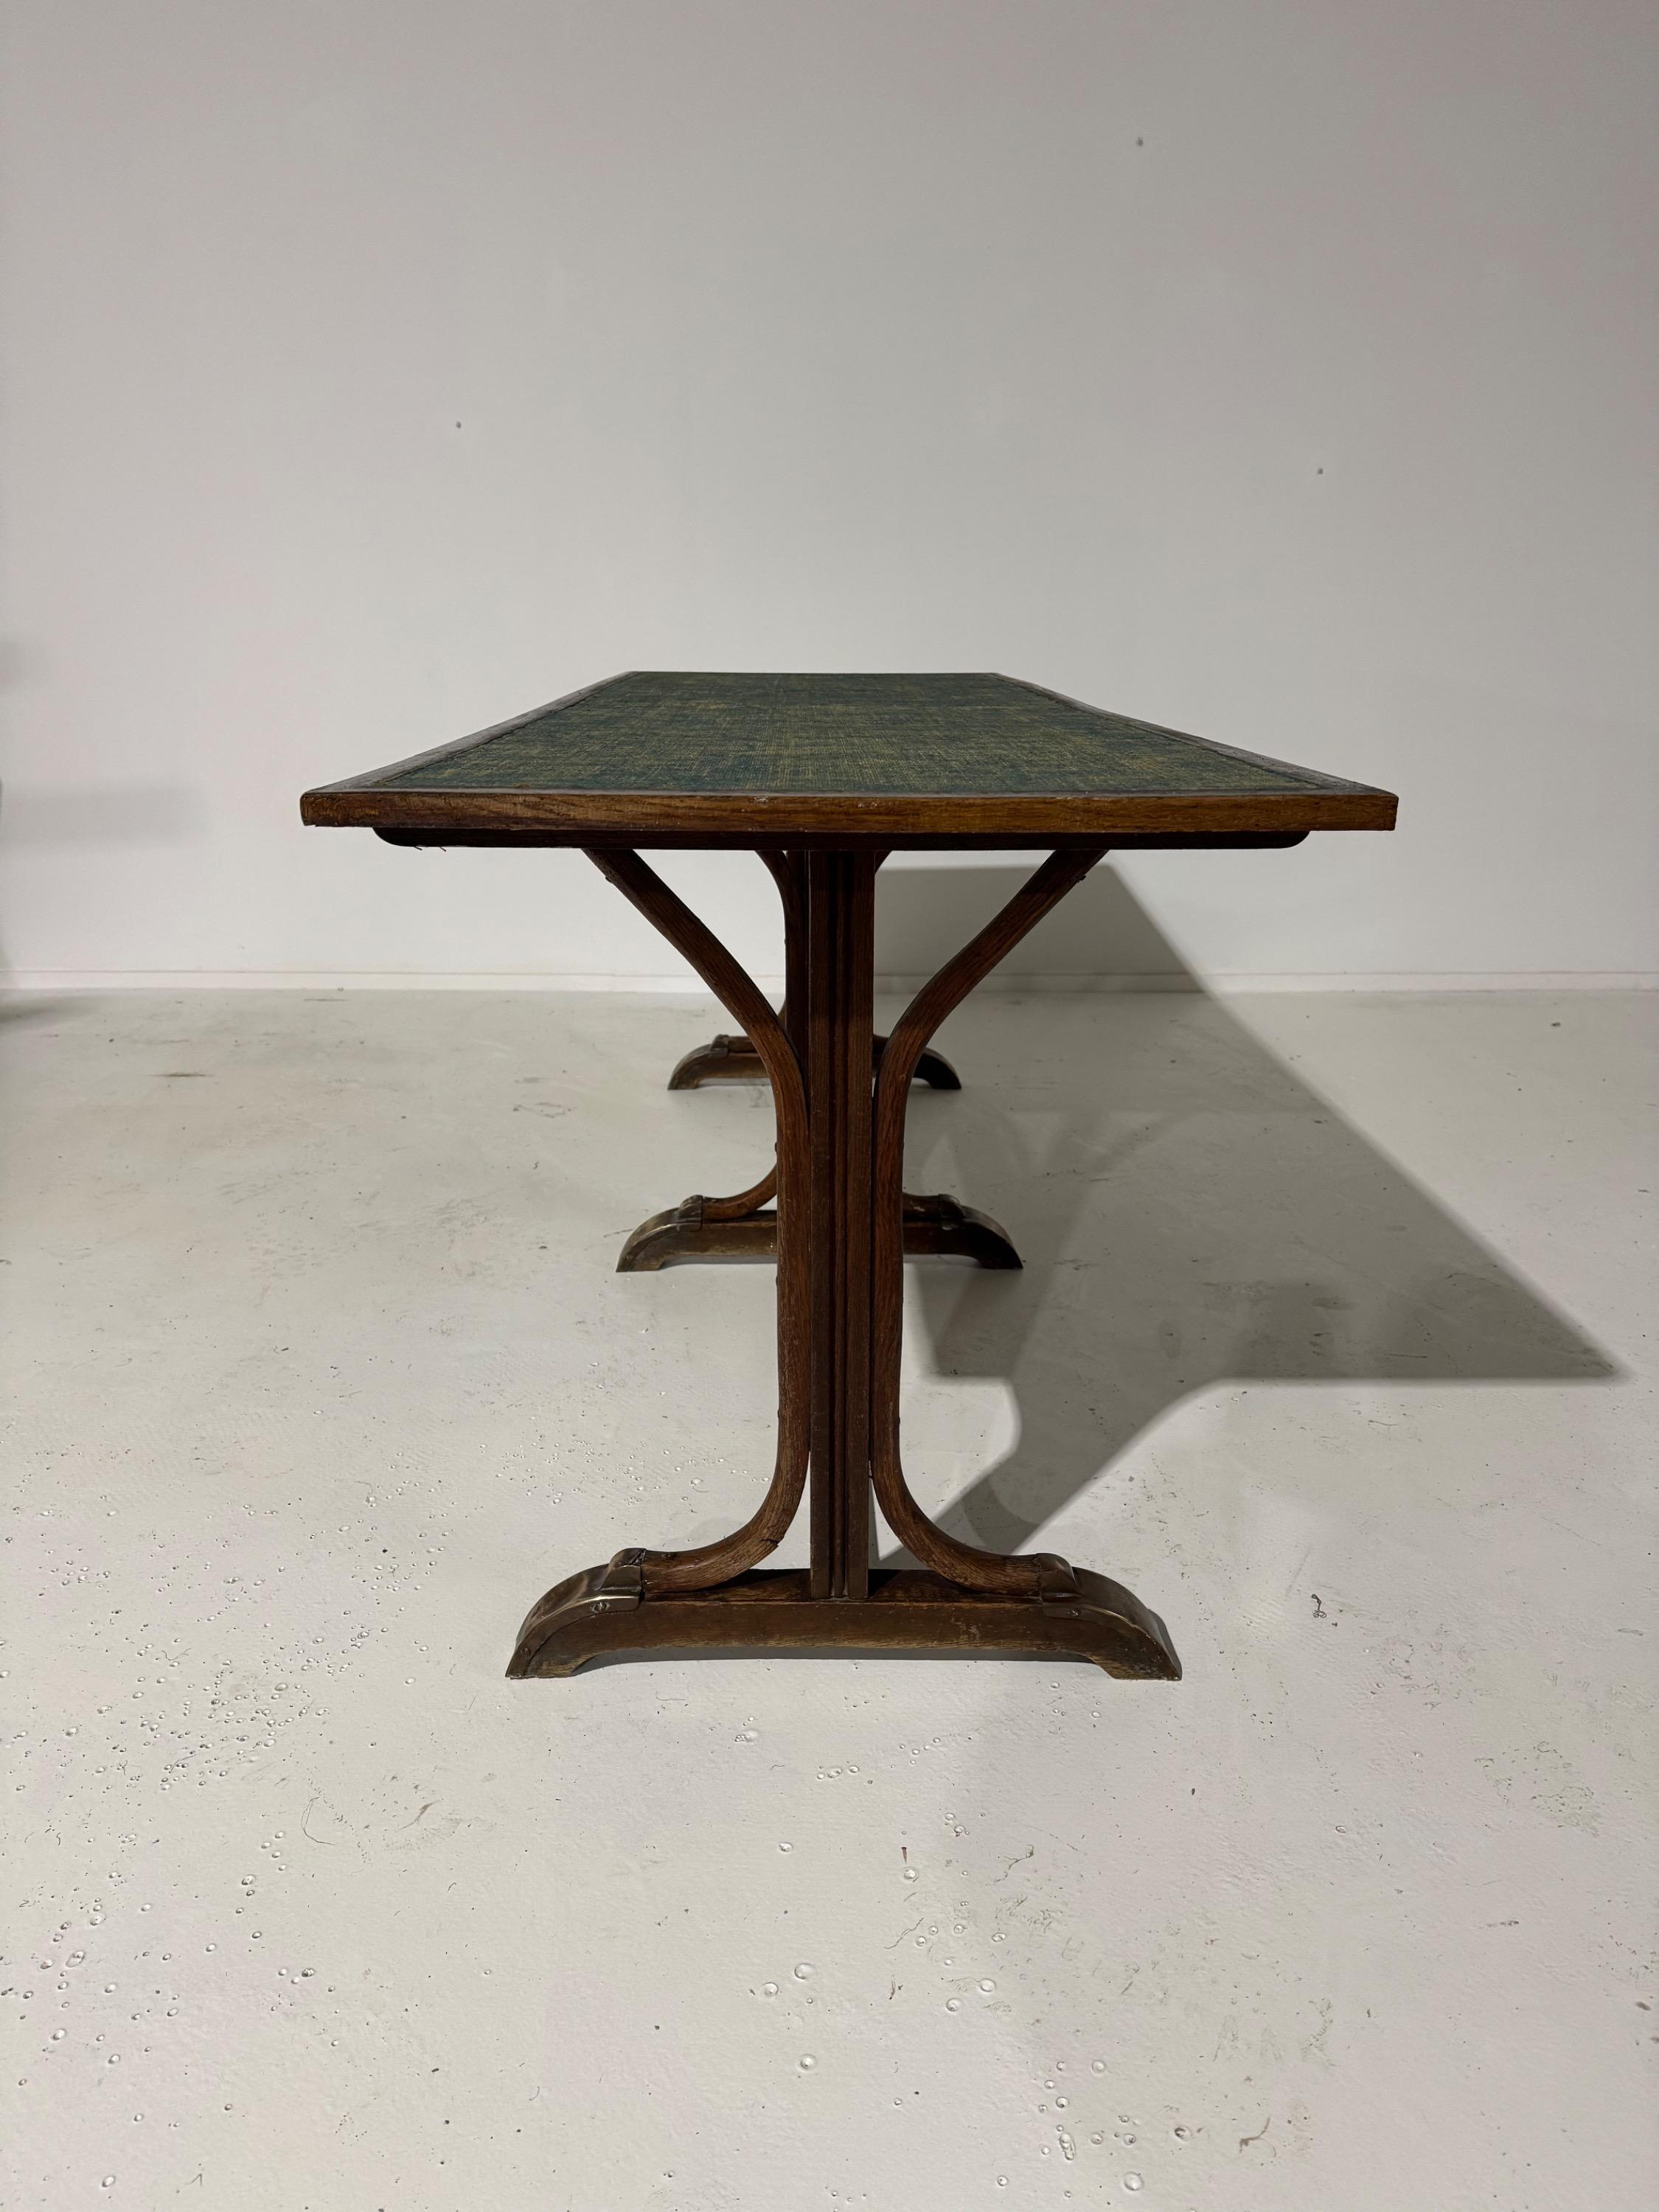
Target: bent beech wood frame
[[708, 1564], [840, 1227], [923, 1536], [823, 776]]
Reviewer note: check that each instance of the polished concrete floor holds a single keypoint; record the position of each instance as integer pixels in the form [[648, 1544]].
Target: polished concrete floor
[[1333, 1342]]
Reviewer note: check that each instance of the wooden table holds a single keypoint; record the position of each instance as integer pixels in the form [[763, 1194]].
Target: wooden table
[[823, 776]]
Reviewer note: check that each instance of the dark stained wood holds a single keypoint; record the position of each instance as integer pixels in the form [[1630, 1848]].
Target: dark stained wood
[[743, 1203], [689, 1231], [763, 839], [940, 1227], [708, 1564], [840, 993], [921, 1536], [837, 822], [964, 1599], [602, 1614], [843, 1223], [728, 1058]]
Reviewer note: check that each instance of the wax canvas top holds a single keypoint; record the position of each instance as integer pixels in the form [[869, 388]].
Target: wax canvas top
[[915, 758], [945, 734]]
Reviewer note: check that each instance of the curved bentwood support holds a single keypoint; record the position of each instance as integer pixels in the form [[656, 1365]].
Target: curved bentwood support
[[841, 1227], [921, 1536], [744, 1226], [716, 1562]]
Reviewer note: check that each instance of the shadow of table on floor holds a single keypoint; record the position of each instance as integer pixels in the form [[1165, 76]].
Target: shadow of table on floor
[[1190, 1212]]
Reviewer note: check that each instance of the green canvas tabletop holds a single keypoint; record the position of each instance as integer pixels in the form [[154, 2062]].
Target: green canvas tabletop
[[695, 757]]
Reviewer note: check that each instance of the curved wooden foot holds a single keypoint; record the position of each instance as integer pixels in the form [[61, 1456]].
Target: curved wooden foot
[[689, 1231], [603, 1613], [567, 1626], [724, 1058], [938, 1227], [944, 1224], [730, 1058]]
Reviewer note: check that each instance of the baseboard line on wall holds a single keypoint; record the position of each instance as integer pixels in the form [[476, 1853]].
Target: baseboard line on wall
[[33, 980]]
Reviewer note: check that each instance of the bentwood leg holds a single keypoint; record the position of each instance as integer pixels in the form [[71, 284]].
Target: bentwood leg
[[840, 987], [840, 1240], [744, 1226]]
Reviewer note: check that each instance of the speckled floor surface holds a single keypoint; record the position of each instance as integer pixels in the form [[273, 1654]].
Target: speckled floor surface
[[1333, 1342]]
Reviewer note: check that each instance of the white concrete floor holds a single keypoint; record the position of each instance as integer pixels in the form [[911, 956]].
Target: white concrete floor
[[1332, 1344]]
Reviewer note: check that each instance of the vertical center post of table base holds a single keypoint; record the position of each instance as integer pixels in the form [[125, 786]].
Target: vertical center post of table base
[[840, 1018]]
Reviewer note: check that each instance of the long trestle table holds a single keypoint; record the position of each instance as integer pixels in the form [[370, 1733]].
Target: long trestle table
[[823, 776]]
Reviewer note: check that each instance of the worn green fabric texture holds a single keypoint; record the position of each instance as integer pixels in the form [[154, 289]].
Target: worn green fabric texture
[[946, 736]]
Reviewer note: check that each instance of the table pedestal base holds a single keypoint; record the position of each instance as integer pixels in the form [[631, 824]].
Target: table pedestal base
[[730, 1058], [605, 1611], [838, 1233], [938, 1227]]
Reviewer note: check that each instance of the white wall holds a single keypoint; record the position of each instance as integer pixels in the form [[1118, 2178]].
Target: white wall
[[373, 371]]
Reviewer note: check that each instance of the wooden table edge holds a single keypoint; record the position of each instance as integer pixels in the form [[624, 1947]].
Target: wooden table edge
[[585, 817]]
